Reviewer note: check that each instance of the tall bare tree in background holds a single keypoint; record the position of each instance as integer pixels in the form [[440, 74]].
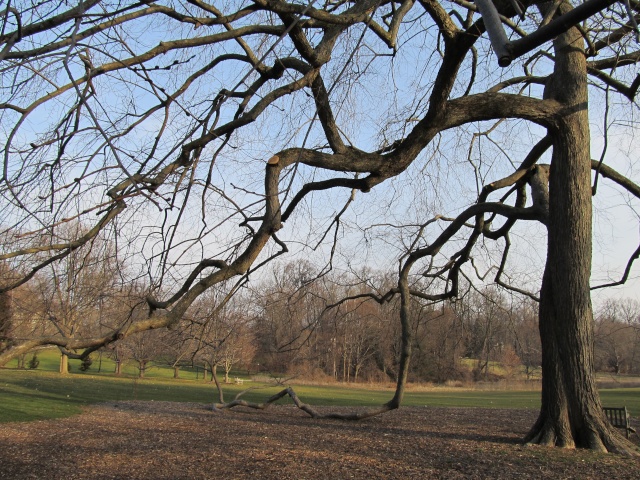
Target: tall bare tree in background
[[5, 321], [206, 140]]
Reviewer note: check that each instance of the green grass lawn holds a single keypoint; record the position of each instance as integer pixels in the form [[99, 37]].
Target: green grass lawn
[[103, 365], [27, 395]]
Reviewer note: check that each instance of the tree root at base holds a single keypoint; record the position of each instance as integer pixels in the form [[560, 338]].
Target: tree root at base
[[604, 441]]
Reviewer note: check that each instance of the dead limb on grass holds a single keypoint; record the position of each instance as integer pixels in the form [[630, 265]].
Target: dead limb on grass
[[238, 402]]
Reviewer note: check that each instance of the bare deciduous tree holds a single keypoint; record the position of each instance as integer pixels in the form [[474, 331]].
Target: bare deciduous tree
[[170, 123], [617, 337]]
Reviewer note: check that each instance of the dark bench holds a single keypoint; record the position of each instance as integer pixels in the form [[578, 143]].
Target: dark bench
[[619, 418]]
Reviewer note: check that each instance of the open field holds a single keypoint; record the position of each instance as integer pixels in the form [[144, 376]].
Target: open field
[[42, 393], [92, 426], [34, 394]]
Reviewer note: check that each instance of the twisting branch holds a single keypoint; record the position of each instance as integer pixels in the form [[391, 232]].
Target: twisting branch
[[634, 189], [308, 409]]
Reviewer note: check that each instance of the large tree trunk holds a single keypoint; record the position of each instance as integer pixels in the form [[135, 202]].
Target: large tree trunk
[[571, 414]]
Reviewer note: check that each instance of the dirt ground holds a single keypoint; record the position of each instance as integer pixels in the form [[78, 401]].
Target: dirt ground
[[160, 440]]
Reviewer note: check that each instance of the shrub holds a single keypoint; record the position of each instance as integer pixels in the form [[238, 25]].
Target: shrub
[[34, 362]]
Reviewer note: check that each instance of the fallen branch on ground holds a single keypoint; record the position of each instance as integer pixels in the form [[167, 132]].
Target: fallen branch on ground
[[238, 402]]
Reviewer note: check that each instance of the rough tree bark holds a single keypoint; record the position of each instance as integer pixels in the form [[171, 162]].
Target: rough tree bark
[[571, 414]]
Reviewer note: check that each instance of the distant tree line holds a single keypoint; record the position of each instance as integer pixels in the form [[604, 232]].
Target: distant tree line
[[296, 322]]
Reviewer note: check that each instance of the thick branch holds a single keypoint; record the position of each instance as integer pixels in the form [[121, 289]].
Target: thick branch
[[238, 402]]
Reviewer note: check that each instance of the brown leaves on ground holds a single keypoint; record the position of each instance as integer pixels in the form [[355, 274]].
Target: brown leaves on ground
[[161, 440]]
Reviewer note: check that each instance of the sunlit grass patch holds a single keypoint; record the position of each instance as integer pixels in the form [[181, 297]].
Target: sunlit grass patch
[[27, 395]]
